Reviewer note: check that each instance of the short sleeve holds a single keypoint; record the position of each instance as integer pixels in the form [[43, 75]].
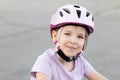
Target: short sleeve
[[88, 68], [41, 65]]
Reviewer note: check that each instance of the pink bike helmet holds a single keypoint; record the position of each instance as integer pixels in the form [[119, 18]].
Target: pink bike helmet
[[72, 14]]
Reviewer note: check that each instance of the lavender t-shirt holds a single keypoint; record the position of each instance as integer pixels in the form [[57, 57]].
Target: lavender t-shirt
[[49, 64]]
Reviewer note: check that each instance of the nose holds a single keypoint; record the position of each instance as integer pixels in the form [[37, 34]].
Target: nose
[[73, 40]]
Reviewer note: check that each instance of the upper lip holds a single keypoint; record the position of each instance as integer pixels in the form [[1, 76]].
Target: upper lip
[[71, 47]]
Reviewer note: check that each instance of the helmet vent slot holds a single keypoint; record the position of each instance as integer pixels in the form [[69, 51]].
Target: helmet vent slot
[[92, 18], [78, 13], [76, 6], [61, 14], [87, 14], [67, 10]]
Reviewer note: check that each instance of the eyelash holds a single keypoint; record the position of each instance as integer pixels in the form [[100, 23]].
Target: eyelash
[[67, 33], [80, 37]]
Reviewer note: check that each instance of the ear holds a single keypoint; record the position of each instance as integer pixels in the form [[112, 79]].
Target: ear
[[54, 35]]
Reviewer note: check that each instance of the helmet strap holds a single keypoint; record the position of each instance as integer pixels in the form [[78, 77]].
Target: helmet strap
[[66, 58]]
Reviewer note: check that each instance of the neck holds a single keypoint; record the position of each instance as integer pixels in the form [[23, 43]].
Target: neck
[[68, 65]]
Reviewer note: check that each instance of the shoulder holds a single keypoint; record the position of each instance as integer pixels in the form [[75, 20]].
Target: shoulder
[[46, 55], [43, 63], [86, 66], [81, 58]]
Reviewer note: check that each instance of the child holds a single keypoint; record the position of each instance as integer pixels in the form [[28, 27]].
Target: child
[[70, 27]]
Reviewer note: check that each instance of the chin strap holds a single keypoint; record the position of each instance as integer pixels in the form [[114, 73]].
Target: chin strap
[[66, 58]]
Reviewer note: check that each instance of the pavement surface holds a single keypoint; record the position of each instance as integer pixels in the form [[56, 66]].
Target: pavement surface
[[24, 34]]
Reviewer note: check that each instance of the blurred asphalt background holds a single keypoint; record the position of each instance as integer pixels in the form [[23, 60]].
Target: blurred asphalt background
[[24, 34]]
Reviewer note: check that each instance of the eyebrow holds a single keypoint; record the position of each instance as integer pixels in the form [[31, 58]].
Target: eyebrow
[[71, 32]]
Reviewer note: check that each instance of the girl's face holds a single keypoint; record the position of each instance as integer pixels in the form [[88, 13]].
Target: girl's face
[[71, 39]]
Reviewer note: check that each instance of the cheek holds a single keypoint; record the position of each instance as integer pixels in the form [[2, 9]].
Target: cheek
[[81, 43], [62, 41]]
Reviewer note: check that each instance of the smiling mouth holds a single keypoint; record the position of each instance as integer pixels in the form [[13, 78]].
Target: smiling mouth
[[71, 47]]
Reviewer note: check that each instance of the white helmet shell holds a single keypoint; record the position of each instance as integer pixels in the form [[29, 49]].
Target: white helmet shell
[[72, 14]]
